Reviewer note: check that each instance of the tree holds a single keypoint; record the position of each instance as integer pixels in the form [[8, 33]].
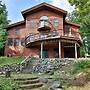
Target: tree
[[81, 15], [3, 24]]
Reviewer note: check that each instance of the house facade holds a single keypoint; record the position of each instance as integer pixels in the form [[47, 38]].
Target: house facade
[[44, 33]]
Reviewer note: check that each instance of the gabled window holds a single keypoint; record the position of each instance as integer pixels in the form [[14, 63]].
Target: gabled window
[[56, 22], [44, 21]]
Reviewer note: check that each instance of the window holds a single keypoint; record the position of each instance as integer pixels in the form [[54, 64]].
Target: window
[[44, 21], [13, 41], [17, 31], [10, 42], [56, 22], [16, 42], [23, 41], [32, 23]]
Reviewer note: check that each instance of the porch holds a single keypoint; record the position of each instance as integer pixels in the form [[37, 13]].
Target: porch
[[56, 48]]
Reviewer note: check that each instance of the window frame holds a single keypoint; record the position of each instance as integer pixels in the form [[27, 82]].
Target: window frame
[[55, 22]]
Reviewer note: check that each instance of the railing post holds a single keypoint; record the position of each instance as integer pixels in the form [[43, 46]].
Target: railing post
[[41, 50], [70, 30], [59, 49], [75, 50]]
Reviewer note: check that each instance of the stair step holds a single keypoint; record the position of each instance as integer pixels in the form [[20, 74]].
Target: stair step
[[23, 79], [31, 86], [31, 89], [28, 81]]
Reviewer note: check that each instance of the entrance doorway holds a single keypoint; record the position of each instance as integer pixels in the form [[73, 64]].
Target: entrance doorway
[[69, 52]]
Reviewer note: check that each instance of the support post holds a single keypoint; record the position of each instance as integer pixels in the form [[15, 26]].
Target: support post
[[41, 50], [59, 49], [75, 50]]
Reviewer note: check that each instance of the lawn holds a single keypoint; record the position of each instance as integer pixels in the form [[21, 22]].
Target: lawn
[[10, 60]]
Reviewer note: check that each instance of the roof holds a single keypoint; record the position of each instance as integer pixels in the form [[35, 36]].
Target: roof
[[72, 23], [43, 6], [15, 24]]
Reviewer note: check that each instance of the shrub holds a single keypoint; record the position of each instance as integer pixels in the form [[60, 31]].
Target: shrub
[[80, 65]]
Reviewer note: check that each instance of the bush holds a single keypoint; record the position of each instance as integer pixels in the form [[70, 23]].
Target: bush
[[7, 84], [80, 65]]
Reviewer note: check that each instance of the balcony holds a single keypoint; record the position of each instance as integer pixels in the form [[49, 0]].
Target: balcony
[[41, 36], [51, 35], [72, 34]]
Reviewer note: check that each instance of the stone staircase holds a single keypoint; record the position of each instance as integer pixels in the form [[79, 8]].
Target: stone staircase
[[29, 83]]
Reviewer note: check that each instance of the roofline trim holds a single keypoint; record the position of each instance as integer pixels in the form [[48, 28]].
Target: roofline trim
[[72, 23], [43, 4], [16, 24]]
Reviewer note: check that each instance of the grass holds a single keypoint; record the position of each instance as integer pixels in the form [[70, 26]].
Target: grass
[[7, 84], [10, 60]]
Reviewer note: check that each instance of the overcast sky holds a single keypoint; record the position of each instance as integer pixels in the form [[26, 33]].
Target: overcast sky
[[14, 7]]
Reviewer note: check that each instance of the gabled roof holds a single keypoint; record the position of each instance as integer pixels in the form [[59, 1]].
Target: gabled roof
[[16, 24], [72, 23], [43, 6]]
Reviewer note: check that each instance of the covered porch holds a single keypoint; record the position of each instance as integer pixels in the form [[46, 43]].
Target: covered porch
[[57, 48]]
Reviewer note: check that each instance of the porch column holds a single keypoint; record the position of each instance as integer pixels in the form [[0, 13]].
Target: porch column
[[59, 49], [75, 50], [41, 50]]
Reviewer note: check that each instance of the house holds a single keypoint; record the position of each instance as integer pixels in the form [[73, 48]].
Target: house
[[44, 33]]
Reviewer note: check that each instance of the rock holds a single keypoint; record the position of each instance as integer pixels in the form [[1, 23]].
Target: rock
[[56, 85], [79, 79], [56, 89], [43, 80]]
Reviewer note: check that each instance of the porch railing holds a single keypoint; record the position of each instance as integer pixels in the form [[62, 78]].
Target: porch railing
[[42, 36], [50, 35]]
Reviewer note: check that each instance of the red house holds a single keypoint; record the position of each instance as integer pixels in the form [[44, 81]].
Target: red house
[[44, 33]]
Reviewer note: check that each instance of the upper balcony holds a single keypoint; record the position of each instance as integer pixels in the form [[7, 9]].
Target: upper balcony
[[51, 35]]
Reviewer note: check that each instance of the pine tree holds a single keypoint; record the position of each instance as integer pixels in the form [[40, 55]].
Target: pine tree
[[3, 25]]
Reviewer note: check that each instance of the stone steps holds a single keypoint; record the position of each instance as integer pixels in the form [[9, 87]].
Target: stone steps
[[22, 79], [28, 83], [30, 86]]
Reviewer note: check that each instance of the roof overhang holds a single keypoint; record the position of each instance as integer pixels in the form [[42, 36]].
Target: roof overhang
[[72, 23], [15, 24], [43, 6]]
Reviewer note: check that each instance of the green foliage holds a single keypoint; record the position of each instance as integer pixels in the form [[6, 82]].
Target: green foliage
[[7, 84], [81, 15], [82, 52], [80, 66], [3, 24], [10, 60]]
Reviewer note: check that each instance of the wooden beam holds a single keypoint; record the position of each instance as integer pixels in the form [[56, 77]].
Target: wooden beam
[[75, 50], [59, 49], [41, 50]]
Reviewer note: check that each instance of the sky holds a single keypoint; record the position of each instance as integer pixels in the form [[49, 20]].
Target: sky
[[14, 7]]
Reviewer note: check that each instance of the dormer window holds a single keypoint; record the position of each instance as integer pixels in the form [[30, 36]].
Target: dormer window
[[44, 21]]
